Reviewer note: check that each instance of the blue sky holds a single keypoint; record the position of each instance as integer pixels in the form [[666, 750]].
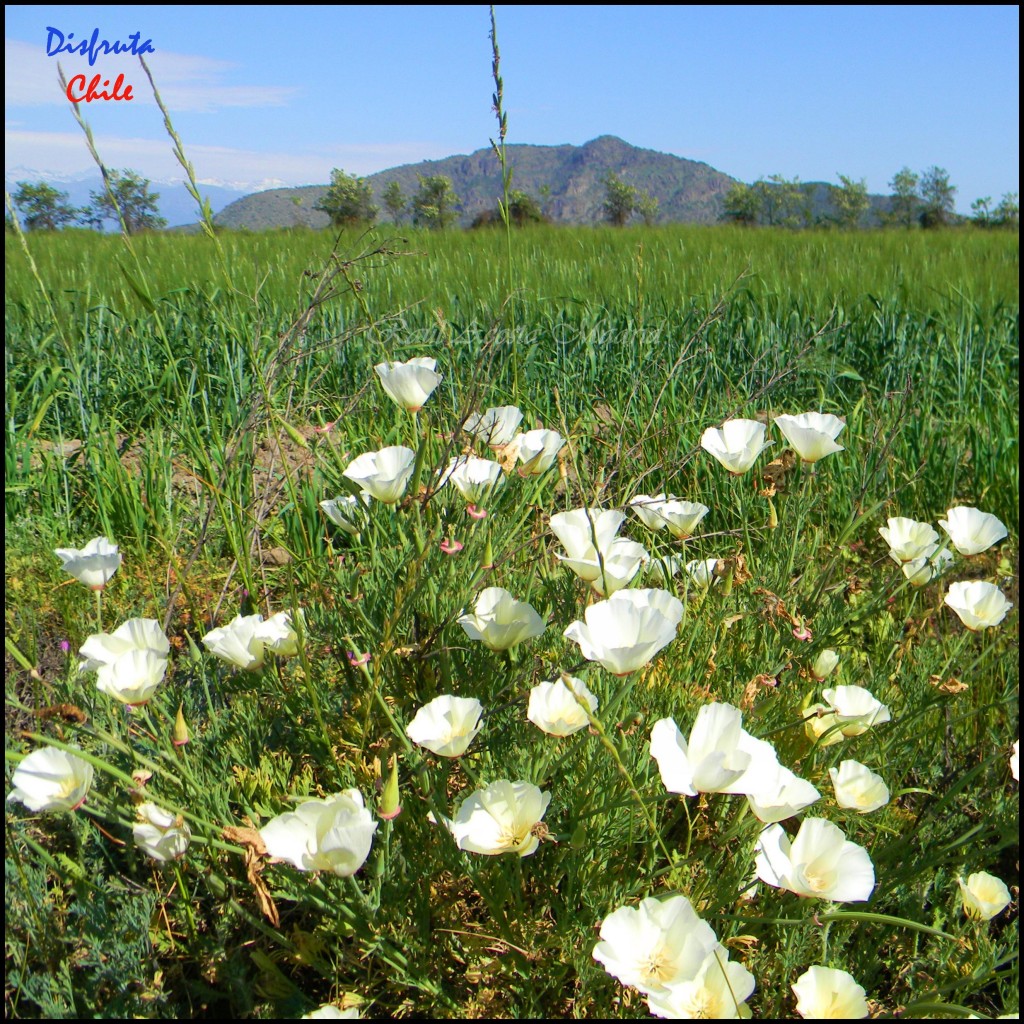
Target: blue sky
[[283, 94]]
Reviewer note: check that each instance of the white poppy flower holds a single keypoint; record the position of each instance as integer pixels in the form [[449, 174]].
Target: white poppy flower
[[984, 896], [920, 571], [618, 566], [593, 551], [1015, 760], [130, 663], [334, 834], [736, 444], [279, 634], [656, 944], [555, 707], [825, 664], [496, 427], [475, 479], [132, 677], [702, 572], [49, 779], [537, 450], [499, 621], [855, 708], [858, 788], [978, 604], [384, 474], [133, 635], [682, 517], [908, 539], [239, 643], [826, 993], [447, 725], [409, 384], [500, 819], [245, 640], [94, 564], [584, 531], [779, 794], [662, 570], [812, 435], [347, 512], [661, 512], [821, 725], [623, 633], [160, 834], [720, 757], [330, 1012], [820, 862], [972, 531], [718, 991], [646, 506]]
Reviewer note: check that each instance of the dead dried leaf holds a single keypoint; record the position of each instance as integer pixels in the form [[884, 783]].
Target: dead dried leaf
[[751, 690], [950, 685], [255, 849]]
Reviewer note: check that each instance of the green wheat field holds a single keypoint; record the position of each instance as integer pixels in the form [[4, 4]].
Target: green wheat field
[[194, 399]]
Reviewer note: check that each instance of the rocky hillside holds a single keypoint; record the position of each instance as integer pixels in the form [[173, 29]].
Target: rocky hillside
[[567, 181]]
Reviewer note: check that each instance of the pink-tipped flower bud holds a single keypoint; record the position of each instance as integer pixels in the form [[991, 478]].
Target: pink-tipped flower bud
[[390, 805]]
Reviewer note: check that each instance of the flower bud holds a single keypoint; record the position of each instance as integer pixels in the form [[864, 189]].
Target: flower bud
[[825, 664], [390, 807], [180, 736]]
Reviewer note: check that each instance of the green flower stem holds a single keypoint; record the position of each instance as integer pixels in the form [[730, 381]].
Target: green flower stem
[[846, 915], [185, 902], [801, 515], [652, 824]]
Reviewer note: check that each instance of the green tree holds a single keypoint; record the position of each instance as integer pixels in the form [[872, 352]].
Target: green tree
[[742, 204], [791, 205], [620, 200], [523, 209], [782, 203], [937, 198], [981, 212], [905, 199], [395, 200], [131, 195], [647, 206], [348, 200], [43, 207], [435, 205], [1007, 213], [849, 200]]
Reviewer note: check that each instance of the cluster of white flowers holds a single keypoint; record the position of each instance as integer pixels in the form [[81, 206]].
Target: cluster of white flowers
[[129, 663], [594, 552], [667, 512], [247, 639], [663, 949], [847, 711], [660, 947], [916, 548]]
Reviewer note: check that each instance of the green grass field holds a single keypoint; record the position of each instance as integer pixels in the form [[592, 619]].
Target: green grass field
[[195, 400]]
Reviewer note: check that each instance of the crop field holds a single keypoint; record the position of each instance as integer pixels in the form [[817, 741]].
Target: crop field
[[650, 695]]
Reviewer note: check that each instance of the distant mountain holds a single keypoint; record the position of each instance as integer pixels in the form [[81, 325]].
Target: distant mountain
[[572, 176], [567, 182]]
